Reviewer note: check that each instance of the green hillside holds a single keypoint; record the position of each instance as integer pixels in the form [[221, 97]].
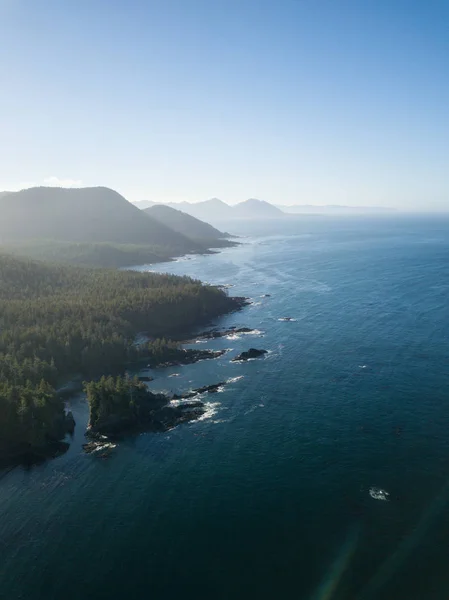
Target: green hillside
[[84, 215]]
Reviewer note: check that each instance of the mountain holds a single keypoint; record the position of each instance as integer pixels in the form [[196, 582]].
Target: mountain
[[256, 209], [216, 211], [184, 223], [209, 210], [96, 215], [4, 194]]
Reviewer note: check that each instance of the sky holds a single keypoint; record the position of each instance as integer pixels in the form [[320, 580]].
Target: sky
[[289, 101]]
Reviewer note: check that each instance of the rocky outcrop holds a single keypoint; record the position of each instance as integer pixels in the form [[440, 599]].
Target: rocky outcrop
[[251, 353], [149, 412], [69, 423], [188, 357], [202, 390], [218, 333]]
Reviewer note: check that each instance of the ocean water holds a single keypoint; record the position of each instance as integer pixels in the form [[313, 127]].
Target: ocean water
[[268, 496]]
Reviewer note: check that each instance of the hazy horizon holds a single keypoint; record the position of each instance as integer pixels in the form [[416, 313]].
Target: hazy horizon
[[51, 183], [294, 103]]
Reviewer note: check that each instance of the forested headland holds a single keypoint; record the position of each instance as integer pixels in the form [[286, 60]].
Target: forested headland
[[58, 321], [120, 404]]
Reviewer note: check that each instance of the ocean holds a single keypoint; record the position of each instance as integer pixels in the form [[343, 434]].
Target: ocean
[[268, 496]]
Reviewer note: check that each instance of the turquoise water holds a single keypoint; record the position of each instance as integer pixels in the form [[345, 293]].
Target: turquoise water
[[268, 497]]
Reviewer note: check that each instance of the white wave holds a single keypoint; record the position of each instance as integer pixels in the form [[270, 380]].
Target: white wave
[[379, 494], [104, 446], [234, 379], [232, 336], [201, 342], [362, 366], [286, 319], [252, 332], [253, 408], [211, 410]]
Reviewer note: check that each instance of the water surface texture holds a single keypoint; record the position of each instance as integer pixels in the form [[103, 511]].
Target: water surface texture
[[268, 497]]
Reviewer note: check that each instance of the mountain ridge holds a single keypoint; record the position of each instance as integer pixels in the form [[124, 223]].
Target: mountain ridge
[[94, 214], [215, 210]]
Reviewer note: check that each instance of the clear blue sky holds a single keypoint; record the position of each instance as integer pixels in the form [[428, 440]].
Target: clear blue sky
[[290, 101]]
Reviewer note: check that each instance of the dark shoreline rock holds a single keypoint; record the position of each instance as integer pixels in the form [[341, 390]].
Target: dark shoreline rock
[[157, 421], [202, 390], [188, 357], [150, 413], [251, 353], [26, 456]]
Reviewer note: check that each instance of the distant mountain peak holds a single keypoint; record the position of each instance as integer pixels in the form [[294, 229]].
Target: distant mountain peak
[[255, 201], [253, 207], [216, 211], [214, 201]]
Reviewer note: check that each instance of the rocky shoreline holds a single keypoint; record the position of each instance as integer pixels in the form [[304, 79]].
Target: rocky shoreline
[[213, 334], [52, 447], [156, 412], [187, 357]]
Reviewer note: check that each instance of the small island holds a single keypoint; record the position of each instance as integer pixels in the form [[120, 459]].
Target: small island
[[215, 387], [251, 353]]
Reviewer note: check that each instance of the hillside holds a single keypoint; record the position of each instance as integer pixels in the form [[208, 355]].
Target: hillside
[[83, 215], [189, 226], [57, 321]]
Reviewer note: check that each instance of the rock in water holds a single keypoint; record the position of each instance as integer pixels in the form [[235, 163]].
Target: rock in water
[[379, 494], [251, 353], [69, 422], [214, 387]]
